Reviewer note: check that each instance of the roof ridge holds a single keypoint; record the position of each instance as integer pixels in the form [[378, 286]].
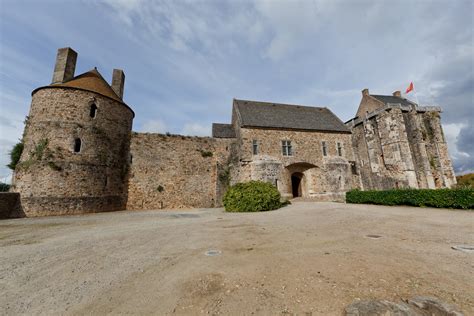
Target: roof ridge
[[287, 104]]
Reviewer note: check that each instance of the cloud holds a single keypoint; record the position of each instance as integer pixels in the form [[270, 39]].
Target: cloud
[[196, 129], [154, 126], [186, 60]]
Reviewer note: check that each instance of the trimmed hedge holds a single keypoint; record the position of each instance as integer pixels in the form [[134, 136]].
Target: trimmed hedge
[[445, 198], [253, 196]]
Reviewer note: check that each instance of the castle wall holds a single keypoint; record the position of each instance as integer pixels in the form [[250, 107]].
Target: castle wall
[[177, 171], [55, 180], [402, 149], [325, 177]]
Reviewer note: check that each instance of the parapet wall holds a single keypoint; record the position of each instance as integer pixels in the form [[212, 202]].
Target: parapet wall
[[173, 171]]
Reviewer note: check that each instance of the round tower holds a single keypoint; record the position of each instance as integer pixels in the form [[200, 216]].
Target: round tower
[[76, 144]]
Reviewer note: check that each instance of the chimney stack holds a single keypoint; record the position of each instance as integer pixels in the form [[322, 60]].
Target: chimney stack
[[365, 92], [118, 82], [397, 94], [65, 65]]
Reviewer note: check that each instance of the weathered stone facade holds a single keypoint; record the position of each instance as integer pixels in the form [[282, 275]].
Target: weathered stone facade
[[80, 154], [173, 171], [400, 145]]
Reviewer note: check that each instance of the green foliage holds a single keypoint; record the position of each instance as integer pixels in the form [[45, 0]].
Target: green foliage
[[466, 180], [4, 187], [253, 196], [205, 154], [446, 198], [39, 149], [15, 155]]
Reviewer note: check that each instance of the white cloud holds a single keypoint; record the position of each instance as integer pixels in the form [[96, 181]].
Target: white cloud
[[196, 129], [154, 126]]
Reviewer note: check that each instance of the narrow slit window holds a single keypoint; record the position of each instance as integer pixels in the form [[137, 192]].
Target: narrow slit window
[[325, 149], [339, 149], [93, 111], [77, 145], [255, 147], [286, 148]]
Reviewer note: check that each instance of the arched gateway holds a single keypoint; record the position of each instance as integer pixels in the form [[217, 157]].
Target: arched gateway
[[299, 178]]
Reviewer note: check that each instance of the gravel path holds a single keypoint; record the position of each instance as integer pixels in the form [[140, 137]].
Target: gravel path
[[305, 258]]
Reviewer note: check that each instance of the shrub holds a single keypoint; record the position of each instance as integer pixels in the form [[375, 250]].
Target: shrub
[[15, 155], [462, 198], [4, 187], [253, 196]]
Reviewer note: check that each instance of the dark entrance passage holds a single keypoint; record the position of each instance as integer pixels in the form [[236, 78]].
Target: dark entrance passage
[[296, 183]]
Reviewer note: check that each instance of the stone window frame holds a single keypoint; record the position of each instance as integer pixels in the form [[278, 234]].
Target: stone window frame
[[255, 147], [340, 149], [286, 148], [324, 147], [93, 103], [76, 145]]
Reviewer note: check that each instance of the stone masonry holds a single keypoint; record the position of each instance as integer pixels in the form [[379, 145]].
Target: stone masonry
[[80, 154]]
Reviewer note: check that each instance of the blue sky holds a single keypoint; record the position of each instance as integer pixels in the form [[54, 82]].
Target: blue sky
[[185, 60]]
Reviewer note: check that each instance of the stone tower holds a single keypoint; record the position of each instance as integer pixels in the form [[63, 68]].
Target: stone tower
[[76, 144], [399, 144]]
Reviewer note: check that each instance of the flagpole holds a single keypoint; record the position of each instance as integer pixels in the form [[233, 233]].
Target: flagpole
[[416, 97]]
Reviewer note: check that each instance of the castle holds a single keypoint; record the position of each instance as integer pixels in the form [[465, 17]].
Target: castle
[[80, 154]]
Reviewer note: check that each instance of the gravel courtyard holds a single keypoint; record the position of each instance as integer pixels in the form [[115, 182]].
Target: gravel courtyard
[[305, 258]]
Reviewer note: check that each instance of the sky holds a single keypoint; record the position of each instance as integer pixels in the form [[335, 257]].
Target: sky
[[185, 61]]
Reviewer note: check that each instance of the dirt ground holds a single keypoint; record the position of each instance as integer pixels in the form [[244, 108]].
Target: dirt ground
[[307, 258]]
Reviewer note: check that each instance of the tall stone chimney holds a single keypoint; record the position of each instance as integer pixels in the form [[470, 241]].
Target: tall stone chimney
[[365, 92], [118, 82], [65, 65], [397, 94]]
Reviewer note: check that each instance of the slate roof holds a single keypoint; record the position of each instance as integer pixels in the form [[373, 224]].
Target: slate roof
[[222, 130], [392, 99], [287, 116]]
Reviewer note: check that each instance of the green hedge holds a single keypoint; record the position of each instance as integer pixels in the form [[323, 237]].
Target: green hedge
[[253, 196], [445, 198], [4, 187]]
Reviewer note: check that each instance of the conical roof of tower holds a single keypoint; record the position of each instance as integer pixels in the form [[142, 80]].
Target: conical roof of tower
[[91, 81]]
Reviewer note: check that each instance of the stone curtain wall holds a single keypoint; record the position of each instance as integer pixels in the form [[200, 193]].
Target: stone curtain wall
[[325, 177], [177, 171], [51, 177]]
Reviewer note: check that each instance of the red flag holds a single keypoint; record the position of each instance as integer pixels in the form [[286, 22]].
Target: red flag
[[410, 87]]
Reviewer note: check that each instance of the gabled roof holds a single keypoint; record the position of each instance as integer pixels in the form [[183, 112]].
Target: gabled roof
[[386, 99], [287, 116], [222, 130], [91, 81]]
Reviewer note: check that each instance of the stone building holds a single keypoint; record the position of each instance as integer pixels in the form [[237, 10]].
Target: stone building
[[80, 154], [398, 144]]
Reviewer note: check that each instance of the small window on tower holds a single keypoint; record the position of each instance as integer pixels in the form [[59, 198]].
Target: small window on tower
[[93, 111], [325, 149], [77, 145]]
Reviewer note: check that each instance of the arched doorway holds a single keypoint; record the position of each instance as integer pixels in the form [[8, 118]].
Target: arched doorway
[[296, 184]]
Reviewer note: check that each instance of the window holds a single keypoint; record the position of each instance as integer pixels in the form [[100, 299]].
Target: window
[[93, 110], [255, 147], [77, 145], [286, 148], [325, 149], [339, 149]]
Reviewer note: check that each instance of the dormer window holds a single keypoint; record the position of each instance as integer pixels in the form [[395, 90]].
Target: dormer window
[[93, 110]]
